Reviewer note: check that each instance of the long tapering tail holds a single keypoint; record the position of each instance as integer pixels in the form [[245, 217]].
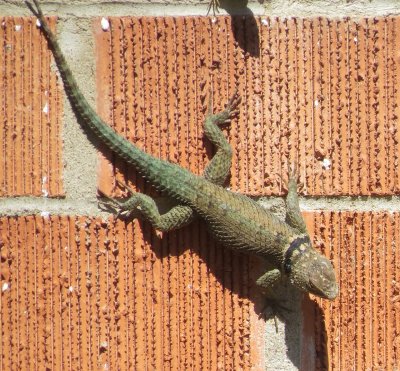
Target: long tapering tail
[[165, 176]]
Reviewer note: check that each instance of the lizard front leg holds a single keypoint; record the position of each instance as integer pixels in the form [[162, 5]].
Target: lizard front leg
[[269, 278], [218, 168], [293, 214], [268, 281]]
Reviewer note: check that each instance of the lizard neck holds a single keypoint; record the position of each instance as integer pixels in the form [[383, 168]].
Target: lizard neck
[[294, 250]]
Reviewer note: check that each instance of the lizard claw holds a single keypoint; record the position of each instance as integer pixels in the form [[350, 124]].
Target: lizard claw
[[232, 107], [294, 176], [292, 179], [121, 209], [214, 5], [113, 206], [274, 309], [233, 104], [230, 112], [117, 208], [108, 203]]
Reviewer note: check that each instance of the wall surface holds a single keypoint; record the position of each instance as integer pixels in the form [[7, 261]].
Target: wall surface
[[319, 85]]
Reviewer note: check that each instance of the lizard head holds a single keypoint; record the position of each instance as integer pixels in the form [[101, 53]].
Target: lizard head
[[309, 270]]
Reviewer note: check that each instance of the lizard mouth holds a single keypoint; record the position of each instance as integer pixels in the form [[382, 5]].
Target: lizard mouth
[[327, 293]]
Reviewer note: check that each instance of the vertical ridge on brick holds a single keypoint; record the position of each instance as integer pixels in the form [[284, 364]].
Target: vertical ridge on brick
[[31, 112], [87, 293], [359, 329], [317, 92], [79, 292], [321, 80]]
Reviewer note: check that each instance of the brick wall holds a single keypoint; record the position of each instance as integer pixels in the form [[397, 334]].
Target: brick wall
[[83, 290]]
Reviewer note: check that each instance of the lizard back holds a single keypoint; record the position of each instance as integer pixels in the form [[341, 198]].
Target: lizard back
[[235, 220]]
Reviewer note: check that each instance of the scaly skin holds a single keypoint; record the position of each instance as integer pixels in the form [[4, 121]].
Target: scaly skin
[[236, 221]]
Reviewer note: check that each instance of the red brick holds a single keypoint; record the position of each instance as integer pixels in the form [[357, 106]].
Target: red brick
[[312, 89], [85, 292], [318, 89], [359, 330], [30, 137], [182, 301]]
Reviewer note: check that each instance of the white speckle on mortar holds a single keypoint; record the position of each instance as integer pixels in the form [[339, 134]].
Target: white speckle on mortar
[[45, 214], [105, 24]]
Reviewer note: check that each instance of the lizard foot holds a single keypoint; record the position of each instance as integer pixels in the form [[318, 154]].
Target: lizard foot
[[274, 309], [232, 107], [214, 5], [294, 176], [229, 113], [293, 171], [231, 110], [122, 209]]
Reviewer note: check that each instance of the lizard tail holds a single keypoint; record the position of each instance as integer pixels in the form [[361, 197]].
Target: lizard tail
[[163, 175]]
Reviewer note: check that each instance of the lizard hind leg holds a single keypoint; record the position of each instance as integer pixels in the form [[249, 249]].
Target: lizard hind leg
[[218, 168], [141, 205], [273, 307]]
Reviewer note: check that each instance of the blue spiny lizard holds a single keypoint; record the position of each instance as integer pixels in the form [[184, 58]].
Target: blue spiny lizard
[[237, 221]]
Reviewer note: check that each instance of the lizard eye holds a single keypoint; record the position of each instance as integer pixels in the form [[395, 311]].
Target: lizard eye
[[315, 286]]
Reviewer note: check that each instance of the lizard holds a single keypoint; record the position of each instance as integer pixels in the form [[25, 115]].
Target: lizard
[[235, 220]]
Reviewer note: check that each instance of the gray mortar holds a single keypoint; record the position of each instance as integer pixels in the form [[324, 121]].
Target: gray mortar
[[274, 8], [89, 205], [80, 156]]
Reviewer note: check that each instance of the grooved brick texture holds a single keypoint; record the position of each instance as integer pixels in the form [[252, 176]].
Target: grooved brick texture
[[361, 329], [80, 293], [30, 112], [87, 294], [320, 93]]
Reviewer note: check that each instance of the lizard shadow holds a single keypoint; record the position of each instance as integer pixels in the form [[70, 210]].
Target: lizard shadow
[[305, 334], [315, 353], [246, 33], [231, 278], [244, 26]]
